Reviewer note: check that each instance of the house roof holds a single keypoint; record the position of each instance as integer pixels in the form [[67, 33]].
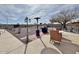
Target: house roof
[[74, 20], [76, 24]]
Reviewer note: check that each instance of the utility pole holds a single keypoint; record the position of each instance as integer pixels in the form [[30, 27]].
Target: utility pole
[[27, 36]]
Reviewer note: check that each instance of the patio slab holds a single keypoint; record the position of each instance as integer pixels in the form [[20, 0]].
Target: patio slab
[[9, 43]]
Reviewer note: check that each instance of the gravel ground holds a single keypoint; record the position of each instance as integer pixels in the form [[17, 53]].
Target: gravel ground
[[23, 33]]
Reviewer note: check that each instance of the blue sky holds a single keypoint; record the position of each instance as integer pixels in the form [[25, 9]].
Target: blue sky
[[16, 13]]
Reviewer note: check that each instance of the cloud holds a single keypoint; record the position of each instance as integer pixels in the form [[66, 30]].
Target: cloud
[[18, 12]]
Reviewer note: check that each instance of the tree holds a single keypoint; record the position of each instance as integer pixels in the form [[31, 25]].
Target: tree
[[57, 19], [63, 17]]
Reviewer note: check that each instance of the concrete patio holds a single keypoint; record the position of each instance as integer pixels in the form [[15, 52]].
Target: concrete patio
[[67, 46], [11, 45]]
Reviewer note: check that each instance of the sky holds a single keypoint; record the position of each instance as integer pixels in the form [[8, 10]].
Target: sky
[[16, 13]]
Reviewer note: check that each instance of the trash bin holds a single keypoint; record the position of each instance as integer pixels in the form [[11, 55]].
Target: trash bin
[[38, 33]]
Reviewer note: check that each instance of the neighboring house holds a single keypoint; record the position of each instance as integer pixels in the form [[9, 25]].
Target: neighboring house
[[56, 25], [73, 26]]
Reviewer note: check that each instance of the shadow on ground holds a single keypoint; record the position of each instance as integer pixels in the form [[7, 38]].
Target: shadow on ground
[[49, 51], [67, 47]]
